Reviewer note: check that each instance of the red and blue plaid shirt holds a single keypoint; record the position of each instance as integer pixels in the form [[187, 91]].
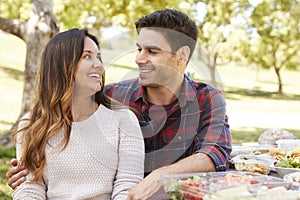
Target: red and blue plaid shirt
[[195, 122]]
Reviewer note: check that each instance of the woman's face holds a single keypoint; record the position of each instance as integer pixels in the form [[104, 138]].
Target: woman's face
[[89, 69]]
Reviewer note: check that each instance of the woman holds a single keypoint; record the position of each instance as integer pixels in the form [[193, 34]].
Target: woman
[[76, 142]]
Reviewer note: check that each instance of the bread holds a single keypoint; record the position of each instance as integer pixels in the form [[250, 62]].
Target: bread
[[272, 135]]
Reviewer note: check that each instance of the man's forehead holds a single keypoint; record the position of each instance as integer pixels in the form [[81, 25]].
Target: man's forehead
[[150, 37]]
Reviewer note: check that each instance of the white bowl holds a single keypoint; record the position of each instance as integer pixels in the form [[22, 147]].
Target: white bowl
[[288, 144], [284, 171]]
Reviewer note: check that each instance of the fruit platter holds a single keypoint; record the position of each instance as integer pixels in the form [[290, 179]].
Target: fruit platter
[[231, 185]]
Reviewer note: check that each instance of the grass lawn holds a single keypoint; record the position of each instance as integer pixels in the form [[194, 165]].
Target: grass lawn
[[253, 106]]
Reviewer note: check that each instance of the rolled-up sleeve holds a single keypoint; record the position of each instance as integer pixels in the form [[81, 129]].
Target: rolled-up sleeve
[[213, 135]]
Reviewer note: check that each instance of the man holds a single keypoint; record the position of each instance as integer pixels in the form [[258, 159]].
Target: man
[[183, 122]]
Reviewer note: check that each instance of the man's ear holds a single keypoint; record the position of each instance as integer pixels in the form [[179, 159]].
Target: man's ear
[[183, 53]]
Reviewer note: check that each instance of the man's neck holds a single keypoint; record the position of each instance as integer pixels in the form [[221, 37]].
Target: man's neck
[[162, 95]]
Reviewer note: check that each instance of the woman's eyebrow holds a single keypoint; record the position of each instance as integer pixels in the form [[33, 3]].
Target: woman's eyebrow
[[90, 51]]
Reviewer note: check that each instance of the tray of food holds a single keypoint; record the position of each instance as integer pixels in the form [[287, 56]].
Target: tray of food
[[253, 163], [228, 185]]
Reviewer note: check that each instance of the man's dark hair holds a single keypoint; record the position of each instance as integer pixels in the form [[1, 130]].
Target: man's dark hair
[[178, 28]]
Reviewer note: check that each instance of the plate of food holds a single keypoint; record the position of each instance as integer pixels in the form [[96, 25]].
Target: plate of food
[[288, 163]]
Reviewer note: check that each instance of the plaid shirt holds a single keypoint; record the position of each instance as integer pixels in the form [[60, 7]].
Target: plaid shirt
[[195, 122]]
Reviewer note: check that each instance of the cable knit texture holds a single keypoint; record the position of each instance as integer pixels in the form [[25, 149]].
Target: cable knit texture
[[103, 160]]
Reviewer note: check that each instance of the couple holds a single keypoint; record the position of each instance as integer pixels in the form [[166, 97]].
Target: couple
[[183, 122]]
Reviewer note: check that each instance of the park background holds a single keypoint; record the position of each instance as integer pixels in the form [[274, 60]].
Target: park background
[[243, 41]]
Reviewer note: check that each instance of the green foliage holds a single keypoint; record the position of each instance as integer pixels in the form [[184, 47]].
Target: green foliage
[[5, 155], [274, 36], [7, 152], [15, 9], [96, 14]]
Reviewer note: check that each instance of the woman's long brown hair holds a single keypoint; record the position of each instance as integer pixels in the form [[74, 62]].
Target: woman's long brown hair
[[52, 111]]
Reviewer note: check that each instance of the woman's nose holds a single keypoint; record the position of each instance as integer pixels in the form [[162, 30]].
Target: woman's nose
[[98, 63]]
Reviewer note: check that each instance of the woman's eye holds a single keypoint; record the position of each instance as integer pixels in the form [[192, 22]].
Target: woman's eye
[[88, 56]]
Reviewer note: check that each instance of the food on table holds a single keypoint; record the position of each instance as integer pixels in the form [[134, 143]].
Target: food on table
[[288, 162], [276, 153], [228, 185], [255, 149], [281, 171], [253, 163], [264, 193], [237, 150], [272, 135], [288, 144], [232, 179], [290, 159], [294, 177], [173, 186], [216, 184], [278, 193]]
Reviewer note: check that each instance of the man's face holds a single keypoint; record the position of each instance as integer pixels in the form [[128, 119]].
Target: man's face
[[158, 65]]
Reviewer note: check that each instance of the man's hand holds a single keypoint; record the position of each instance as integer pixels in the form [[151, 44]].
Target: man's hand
[[149, 188], [16, 174]]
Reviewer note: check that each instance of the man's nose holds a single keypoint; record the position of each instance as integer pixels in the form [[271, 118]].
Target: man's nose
[[141, 57]]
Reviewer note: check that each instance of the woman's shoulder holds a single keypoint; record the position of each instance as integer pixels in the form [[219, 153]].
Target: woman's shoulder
[[119, 113], [24, 120]]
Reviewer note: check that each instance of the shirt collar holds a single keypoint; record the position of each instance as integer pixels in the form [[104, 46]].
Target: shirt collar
[[187, 93], [140, 93]]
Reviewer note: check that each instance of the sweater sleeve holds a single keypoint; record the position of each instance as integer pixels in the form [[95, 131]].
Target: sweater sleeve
[[131, 155], [27, 191], [30, 191]]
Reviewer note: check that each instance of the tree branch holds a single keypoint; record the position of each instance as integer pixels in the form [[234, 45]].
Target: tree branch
[[14, 27]]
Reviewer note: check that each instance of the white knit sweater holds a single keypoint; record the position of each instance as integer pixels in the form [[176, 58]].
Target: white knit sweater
[[103, 160]]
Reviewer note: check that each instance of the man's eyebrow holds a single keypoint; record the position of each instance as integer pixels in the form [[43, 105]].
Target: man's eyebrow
[[149, 47]]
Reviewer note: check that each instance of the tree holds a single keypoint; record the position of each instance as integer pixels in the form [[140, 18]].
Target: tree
[[35, 23], [35, 31], [217, 31], [274, 36]]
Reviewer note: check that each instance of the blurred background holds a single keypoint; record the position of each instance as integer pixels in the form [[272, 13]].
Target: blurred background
[[249, 49]]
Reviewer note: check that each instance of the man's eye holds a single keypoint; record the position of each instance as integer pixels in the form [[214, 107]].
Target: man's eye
[[152, 51], [139, 49]]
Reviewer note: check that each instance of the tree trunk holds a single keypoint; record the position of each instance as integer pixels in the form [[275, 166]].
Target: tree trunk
[[212, 69], [277, 70], [36, 32]]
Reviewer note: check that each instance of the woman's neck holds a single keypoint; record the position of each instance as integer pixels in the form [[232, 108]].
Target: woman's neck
[[83, 108]]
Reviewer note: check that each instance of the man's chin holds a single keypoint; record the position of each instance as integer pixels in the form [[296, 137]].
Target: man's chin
[[146, 83]]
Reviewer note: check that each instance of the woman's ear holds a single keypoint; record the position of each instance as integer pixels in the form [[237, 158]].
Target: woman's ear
[[183, 53]]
